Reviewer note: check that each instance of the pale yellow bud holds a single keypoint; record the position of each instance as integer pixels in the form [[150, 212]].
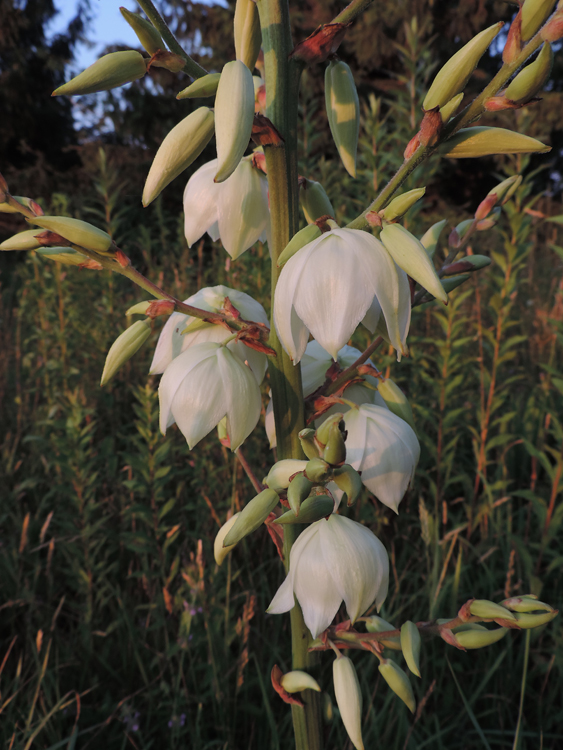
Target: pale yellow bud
[[296, 681], [108, 72], [219, 551], [252, 516], [470, 143], [124, 347]]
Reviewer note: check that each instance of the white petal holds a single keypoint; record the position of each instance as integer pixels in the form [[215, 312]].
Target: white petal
[[291, 331], [314, 364], [200, 202], [270, 425], [356, 427], [242, 396], [404, 315], [169, 343], [284, 599], [371, 318]]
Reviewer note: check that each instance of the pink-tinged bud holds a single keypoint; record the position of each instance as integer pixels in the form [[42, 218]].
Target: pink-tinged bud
[[412, 146], [485, 207], [430, 127], [553, 30], [374, 219], [513, 45], [534, 13], [498, 104]]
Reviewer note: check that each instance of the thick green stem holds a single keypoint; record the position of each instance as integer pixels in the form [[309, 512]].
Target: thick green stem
[[351, 11], [282, 84]]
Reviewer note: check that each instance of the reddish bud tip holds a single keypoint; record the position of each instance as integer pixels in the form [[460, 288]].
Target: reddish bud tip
[[485, 207], [430, 127], [159, 307], [264, 133], [513, 45], [374, 219], [412, 146]]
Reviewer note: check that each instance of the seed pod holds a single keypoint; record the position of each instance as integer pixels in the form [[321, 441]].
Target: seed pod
[[201, 87], [349, 481], [429, 239], [281, 472], [248, 37], [299, 240], [183, 144], [401, 204], [234, 115], [489, 610], [252, 516], [452, 78], [318, 471], [410, 643], [294, 682], [299, 489], [22, 241], [77, 232], [343, 111], [531, 79], [312, 509], [471, 143], [349, 698], [398, 682], [473, 638], [308, 445], [314, 201], [124, 347], [526, 604], [395, 400], [410, 255], [375, 624], [534, 13], [449, 109], [335, 449], [527, 621], [108, 72], [145, 31], [220, 552]]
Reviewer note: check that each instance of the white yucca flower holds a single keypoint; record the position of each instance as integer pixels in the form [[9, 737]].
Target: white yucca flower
[[329, 286], [172, 341], [332, 561], [384, 449], [204, 384], [236, 210]]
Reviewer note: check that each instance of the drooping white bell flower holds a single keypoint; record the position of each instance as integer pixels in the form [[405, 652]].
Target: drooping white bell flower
[[384, 448], [236, 210], [329, 285], [375, 322], [204, 384], [332, 561], [172, 341]]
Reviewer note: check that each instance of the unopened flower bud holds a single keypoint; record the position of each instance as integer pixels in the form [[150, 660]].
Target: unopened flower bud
[[401, 204], [335, 449], [429, 239], [450, 108], [534, 13], [145, 31], [471, 143], [124, 347], [506, 189], [324, 430], [108, 72], [489, 610], [531, 79], [485, 207], [8, 208], [314, 200], [234, 115], [297, 680], [252, 516], [473, 638], [318, 471], [410, 644], [281, 472], [299, 240], [343, 112], [22, 241], [140, 308], [312, 509], [219, 551], [349, 698], [468, 264], [395, 400], [308, 445], [248, 37], [201, 87], [65, 255], [526, 603], [398, 682], [349, 481], [375, 624], [452, 78], [77, 232], [183, 144], [299, 489], [527, 621], [513, 44], [453, 282], [553, 30]]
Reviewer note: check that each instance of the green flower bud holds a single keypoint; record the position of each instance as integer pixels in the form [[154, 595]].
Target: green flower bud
[[140, 308], [398, 682], [146, 33], [534, 13], [248, 37], [401, 204], [65, 255], [410, 643], [375, 624], [183, 144], [78, 232], [473, 638], [531, 79], [281, 472], [527, 621], [471, 143], [343, 111], [312, 509], [22, 241], [234, 116], [252, 516], [349, 481], [308, 445], [6, 208], [201, 87], [506, 189], [395, 400], [449, 109], [108, 72], [324, 430], [429, 239], [219, 551], [452, 78], [489, 610], [453, 282], [124, 347], [526, 603], [299, 489], [335, 449], [314, 201], [299, 240], [296, 681], [349, 698], [318, 471]]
